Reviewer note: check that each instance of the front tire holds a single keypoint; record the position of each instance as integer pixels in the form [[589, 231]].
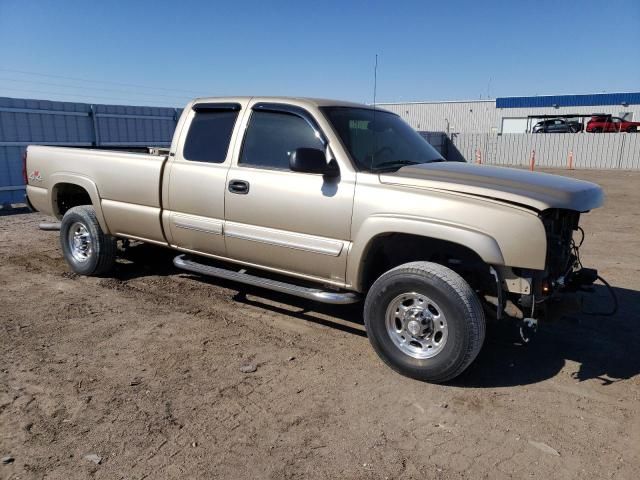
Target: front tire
[[86, 248], [424, 321]]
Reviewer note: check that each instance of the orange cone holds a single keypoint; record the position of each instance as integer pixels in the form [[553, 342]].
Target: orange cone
[[532, 162]]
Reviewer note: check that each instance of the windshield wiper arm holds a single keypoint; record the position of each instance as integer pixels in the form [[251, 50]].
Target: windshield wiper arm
[[394, 163]]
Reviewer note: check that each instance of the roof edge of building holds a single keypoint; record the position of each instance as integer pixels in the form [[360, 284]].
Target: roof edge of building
[[434, 102]]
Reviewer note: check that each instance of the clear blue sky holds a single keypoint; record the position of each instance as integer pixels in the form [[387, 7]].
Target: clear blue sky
[[443, 50]]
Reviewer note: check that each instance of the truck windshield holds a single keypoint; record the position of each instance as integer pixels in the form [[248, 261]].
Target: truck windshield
[[378, 140]]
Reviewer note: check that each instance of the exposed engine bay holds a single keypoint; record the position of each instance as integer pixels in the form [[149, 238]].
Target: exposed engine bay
[[530, 294]]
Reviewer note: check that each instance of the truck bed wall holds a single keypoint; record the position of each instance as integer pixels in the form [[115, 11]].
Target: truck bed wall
[[127, 184]]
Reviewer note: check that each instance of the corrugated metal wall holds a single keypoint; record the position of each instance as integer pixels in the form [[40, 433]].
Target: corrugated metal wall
[[482, 116], [24, 122], [474, 116], [605, 150]]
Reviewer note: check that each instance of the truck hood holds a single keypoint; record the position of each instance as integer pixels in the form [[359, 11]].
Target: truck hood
[[539, 191]]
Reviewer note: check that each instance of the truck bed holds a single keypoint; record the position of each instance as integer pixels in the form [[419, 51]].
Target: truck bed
[[128, 184]]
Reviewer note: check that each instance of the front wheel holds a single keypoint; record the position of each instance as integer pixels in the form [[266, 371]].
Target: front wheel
[[86, 248], [424, 321]]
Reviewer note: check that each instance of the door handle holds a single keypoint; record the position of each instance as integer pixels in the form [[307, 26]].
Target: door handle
[[239, 186]]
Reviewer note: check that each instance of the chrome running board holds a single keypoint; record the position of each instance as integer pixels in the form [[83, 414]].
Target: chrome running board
[[324, 296]]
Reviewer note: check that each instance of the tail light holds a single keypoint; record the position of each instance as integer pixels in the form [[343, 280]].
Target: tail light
[[25, 178]]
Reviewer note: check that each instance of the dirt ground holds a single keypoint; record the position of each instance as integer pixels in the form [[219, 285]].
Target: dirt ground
[[143, 369]]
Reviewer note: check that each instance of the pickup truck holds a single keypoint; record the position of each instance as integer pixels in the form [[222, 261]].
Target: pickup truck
[[335, 202]]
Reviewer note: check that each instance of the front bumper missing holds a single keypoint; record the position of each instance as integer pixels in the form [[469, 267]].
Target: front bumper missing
[[530, 299]]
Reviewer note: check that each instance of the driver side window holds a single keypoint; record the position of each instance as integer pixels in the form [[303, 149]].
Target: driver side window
[[272, 137]]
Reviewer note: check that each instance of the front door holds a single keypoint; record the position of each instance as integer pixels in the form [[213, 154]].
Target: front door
[[298, 223]]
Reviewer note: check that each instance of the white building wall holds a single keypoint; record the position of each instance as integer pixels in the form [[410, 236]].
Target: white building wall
[[482, 116]]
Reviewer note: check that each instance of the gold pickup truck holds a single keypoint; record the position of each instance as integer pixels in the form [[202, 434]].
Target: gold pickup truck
[[335, 202]]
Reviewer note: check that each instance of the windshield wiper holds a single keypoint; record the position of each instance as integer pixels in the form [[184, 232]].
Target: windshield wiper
[[393, 164]]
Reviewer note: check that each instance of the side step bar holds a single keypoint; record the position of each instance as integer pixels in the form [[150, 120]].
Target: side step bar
[[324, 296]]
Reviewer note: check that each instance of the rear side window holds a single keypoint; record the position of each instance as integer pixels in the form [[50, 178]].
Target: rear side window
[[209, 136], [272, 137]]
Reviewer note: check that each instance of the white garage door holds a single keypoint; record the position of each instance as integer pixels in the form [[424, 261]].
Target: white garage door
[[514, 125]]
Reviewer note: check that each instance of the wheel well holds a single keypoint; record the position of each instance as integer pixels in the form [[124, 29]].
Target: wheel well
[[389, 250], [69, 195]]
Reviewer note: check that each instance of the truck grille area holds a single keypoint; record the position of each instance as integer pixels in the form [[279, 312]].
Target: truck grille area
[[559, 225]]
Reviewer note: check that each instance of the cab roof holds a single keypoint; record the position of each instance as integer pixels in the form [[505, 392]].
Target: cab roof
[[312, 102]]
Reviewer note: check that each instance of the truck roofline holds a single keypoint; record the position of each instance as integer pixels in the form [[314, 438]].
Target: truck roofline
[[306, 101]]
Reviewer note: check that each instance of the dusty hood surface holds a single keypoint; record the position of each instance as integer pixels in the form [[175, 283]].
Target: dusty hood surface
[[532, 189]]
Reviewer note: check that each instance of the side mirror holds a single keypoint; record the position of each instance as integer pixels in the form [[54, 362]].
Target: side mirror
[[312, 160]]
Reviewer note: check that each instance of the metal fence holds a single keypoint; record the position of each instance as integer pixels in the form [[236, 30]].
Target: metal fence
[[584, 150], [24, 122], [438, 140]]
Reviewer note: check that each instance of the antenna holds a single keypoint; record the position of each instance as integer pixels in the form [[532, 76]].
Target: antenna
[[375, 86], [375, 81]]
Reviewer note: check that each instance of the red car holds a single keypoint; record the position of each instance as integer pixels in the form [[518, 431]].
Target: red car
[[607, 123]]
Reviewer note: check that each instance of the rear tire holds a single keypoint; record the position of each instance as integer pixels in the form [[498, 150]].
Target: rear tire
[[424, 321], [86, 248]]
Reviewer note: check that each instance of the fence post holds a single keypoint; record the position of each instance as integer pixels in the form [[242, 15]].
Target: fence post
[[445, 146], [621, 151], [532, 161], [96, 134]]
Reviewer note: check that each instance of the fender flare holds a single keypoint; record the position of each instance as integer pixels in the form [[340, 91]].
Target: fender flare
[[481, 243], [81, 181]]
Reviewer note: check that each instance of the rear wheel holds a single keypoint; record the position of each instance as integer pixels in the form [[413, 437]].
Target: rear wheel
[[424, 321], [86, 248]]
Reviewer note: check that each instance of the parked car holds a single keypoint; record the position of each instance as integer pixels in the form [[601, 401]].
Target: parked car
[[557, 125], [333, 202], [608, 123]]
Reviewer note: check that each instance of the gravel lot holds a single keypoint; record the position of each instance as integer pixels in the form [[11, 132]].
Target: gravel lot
[[142, 370]]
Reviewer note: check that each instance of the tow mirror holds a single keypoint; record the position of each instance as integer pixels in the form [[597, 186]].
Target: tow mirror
[[312, 160]]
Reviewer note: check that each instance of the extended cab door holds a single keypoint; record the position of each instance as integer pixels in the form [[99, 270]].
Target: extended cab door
[[193, 215], [297, 223]]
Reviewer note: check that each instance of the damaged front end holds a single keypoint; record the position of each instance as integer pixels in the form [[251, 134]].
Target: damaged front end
[[531, 295]]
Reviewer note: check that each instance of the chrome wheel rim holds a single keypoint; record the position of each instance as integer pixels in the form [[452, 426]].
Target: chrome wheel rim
[[416, 325], [79, 241]]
